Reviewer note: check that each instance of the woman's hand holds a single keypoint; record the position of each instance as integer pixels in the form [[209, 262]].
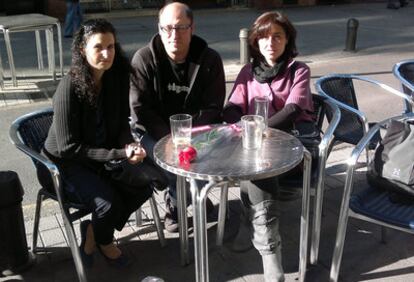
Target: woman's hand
[[135, 153]]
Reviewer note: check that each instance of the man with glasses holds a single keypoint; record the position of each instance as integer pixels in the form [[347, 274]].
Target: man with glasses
[[175, 73]]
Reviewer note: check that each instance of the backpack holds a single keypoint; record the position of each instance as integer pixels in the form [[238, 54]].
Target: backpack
[[392, 167]]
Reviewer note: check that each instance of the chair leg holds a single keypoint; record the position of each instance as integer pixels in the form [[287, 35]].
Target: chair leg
[[318, 204], [10, 57], [39, 50], [70, 233], [222, 214], [138, 217], [1, 75], [157, 221], [340, 240], [36, 221]]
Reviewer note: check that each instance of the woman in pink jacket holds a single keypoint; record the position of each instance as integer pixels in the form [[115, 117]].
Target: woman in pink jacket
[[275, 74]]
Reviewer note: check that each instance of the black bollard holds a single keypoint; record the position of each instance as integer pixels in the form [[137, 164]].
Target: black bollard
[[13, 244], [351, 35], [244, 46]]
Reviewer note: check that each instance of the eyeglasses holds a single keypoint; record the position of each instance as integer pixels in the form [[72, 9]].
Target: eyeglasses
[[178, 28]]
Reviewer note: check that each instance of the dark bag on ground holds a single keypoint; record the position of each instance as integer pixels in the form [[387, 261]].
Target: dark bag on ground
[[392, 167]]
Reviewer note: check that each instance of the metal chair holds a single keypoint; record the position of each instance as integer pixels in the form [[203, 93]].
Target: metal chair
[[354, 123], [372, 205], [28, 133], [404, 71]]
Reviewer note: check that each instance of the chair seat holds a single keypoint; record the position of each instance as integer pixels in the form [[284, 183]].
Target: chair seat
[[376, 203]]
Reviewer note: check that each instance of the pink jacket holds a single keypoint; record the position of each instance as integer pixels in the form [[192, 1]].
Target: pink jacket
[[287, 88]]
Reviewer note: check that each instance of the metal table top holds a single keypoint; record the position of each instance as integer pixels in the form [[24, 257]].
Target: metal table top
[[21, 22], [221, 156]]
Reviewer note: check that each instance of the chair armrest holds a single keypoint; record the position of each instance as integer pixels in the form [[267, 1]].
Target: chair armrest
[[397, 73], [387, 88], [329, 132], [53, 169]]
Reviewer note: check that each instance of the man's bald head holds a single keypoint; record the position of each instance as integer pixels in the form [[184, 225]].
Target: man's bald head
[[176, 27], [176, 6]]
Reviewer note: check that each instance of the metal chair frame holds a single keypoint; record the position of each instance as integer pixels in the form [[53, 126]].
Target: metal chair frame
[[345, 210], [365, 128], [407, 83], [67, 216], [319, 84]]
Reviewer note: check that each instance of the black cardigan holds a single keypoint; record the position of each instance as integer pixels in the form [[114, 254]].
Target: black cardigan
[[72, 135]]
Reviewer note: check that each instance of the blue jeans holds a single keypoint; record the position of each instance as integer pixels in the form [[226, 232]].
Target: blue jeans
[[73, 18]]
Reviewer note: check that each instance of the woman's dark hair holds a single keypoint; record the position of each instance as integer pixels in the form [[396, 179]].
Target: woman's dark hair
[[262, 27], [80, 70]]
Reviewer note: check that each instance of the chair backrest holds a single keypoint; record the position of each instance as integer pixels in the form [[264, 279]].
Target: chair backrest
[[341, 88], [33, 128], [404, 71]]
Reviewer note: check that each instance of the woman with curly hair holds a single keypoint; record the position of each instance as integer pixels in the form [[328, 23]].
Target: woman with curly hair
[[285, 82], [91, 129]]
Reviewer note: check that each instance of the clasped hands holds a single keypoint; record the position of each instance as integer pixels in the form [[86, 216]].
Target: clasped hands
[[135, 153]]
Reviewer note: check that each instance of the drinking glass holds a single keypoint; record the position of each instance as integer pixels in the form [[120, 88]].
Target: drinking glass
[[181, 129], [252, 131], [261, 108]]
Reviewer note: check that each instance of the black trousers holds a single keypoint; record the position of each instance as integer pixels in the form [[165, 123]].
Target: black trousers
[[110, 201]]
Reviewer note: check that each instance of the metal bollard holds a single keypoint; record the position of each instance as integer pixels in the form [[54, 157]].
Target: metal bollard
[[351, 34], [13, 244], [244, 46]]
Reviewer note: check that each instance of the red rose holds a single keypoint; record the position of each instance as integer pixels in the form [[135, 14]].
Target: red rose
[[186, 155]]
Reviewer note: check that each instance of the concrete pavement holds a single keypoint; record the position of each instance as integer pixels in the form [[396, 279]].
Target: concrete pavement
[[384, 38]]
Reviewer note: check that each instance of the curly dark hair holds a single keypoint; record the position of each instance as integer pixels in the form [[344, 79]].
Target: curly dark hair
[[80, 70], [262, 27]]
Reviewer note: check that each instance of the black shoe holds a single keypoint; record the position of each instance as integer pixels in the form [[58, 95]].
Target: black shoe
[[120, 262], [403, 3], [393, 6], [87, 259], [171, 215]]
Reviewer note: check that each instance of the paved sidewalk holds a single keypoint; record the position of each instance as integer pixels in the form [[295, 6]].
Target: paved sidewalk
[[365, 257]]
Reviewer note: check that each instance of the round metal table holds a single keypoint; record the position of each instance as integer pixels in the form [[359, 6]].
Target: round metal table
[[220, 158]]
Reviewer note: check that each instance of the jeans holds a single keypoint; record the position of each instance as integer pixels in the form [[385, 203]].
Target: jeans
[[73, 18], [259, 199]]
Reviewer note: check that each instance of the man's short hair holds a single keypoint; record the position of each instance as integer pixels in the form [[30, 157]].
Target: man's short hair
[[188, 12]]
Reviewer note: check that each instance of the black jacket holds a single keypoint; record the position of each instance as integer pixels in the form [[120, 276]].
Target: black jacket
[[72, 135], [147, 98]]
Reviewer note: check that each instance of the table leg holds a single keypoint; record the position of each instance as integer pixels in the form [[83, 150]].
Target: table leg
[[1, 75], [51, 52], [199, 197], [222, 213], [182, 220], [59, 35], [39, 50], [10, 56], [304, 220]]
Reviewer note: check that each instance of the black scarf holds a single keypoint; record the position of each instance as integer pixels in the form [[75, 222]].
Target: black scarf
[[264, 73]]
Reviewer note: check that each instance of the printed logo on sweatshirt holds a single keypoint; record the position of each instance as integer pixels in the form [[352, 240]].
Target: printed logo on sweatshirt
[[177, 88]]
